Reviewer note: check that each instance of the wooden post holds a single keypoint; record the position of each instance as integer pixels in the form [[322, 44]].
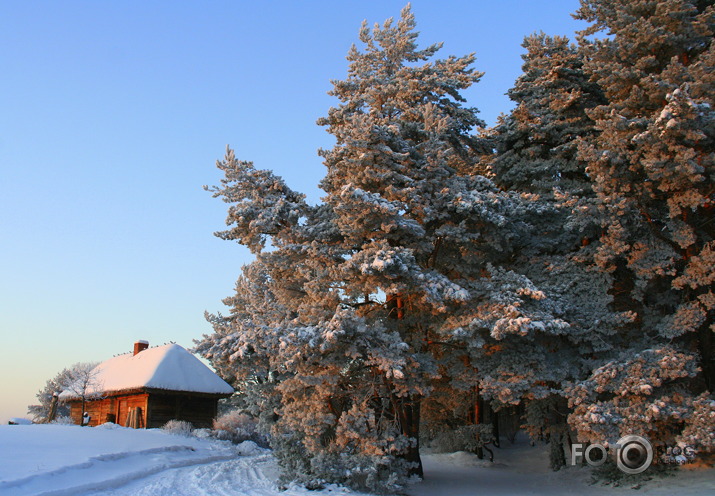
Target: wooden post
[[53, 408]]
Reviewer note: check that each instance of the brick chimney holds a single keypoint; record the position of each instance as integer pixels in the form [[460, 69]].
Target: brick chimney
[[140, 345]]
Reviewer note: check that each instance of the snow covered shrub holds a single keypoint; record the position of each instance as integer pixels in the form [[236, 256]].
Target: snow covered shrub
[[699, 432], [609, 474], [237, 427], [381, 475], [641, 393], [345, 465], [294, 460], [178, 427], [235, 421], [465, 438], [63, 420], [203, 433]]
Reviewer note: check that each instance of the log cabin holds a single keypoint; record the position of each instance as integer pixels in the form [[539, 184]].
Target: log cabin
[[149, 387]]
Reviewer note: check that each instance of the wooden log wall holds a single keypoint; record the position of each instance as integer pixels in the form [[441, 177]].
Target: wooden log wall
[[157, 408], [198, 410]]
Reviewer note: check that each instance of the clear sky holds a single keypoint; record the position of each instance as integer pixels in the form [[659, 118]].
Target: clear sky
[[112, 116]]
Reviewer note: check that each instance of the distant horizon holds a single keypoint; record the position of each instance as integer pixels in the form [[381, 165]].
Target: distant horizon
[[114, 116]]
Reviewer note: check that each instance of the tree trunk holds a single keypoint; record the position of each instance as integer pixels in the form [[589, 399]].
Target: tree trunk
[[706, 347], [409, 416], [407, 408], [558, 429], [479, 417], [495, 428]]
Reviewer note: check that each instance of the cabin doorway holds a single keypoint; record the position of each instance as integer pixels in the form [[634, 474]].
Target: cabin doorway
[[122, 411]]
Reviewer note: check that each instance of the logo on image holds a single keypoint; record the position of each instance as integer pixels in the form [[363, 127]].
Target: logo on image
[[634, 454]]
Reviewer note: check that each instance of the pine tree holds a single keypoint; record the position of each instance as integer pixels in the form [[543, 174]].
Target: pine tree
[[434, 236], [417, 273], [365, 302], [652, 169], [536, 156], [536, 143], [403, 147]]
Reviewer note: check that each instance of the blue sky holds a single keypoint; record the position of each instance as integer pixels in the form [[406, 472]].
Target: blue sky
[[112, 116]]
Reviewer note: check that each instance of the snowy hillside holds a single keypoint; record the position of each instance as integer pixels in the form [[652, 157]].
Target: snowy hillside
[[111, 460]]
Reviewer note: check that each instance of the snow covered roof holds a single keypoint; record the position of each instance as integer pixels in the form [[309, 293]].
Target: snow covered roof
[[169, 367]]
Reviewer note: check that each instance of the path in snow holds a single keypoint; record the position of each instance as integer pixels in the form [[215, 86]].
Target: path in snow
[[107, 471], [243, 476], [250, 476], [54, 460]]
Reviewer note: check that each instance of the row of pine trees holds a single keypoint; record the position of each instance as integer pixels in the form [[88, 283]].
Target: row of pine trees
[[559, 264]]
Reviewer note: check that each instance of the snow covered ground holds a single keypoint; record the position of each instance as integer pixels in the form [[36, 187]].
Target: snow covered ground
[[62, 460], [521, 469], [110, 460]]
